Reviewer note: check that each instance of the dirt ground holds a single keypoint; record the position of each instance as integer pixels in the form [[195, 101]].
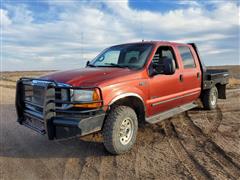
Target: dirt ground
[[197, 144]]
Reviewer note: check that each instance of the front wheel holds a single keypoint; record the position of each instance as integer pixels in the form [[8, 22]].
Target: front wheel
[[210, 98], [120, 130]]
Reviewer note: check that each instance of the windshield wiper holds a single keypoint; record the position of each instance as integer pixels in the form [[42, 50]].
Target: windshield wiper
[[91, 65], [116, 65]]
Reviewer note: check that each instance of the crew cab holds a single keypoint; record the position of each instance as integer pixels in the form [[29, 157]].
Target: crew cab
[[125, 85]]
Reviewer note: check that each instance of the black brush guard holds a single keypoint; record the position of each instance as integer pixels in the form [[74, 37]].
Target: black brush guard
[[39, 107]]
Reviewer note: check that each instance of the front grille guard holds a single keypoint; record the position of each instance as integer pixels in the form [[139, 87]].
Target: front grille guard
[[49, 111]]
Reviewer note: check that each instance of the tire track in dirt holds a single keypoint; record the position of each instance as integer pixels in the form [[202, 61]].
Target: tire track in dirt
[[73, 168], [207, 153], [91, 169], [222, 125], [196, 170], [153, 157], [128, 163], [208, 137], [91, 159], [97, 164], [108, 168], [215, 121], [83, 166], [137, 162], [211, 170]]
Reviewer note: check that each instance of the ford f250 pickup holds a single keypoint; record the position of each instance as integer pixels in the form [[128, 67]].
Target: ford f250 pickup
[[125, 85]]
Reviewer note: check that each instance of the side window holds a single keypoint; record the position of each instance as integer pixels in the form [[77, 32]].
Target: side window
[[166, 51], [187, 57]]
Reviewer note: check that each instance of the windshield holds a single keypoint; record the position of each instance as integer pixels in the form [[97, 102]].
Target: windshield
[[128, 55]]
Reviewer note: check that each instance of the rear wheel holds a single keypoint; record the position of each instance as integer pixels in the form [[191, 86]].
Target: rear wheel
[[120, 130], [210, 98]]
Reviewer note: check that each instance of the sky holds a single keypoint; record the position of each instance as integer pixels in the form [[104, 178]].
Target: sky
[[64, 34]]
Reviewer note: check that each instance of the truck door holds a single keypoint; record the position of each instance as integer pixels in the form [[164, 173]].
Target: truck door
[[164, 89], [191, 74]]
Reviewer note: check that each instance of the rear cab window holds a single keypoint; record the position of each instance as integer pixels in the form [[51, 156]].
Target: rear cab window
[[187, 57]]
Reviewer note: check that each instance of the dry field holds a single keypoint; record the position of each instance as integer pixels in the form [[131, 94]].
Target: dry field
[[197, 144]]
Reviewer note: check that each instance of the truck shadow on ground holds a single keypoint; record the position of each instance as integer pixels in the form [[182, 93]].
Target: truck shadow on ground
[[20, 142], [17, 141], [41, 148]]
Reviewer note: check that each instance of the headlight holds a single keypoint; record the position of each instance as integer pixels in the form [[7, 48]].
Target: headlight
[[82, 95], [88, 96]]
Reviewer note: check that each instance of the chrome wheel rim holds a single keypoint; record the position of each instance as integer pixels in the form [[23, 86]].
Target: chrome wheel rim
[[213, 98], [126, 131]]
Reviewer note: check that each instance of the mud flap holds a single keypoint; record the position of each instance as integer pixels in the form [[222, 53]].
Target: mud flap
[[221, 91], [19, 101]]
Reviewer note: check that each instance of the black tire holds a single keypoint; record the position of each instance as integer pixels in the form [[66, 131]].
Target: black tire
[[209, 98], [112, 134]]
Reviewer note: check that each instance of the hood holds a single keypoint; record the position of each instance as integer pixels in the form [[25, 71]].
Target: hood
[[90, 76]]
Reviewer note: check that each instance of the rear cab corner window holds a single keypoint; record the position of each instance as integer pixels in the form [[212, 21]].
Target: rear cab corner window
[[187, 57]]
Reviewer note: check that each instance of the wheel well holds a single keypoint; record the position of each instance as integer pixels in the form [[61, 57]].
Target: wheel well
[[135, 103]]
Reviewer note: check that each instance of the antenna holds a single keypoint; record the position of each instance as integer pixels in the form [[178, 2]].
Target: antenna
[[81, 50], [141, 27]]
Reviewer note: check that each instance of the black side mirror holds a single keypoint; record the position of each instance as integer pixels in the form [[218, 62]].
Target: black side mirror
[[88, 62], [165, 66], [169, 66]]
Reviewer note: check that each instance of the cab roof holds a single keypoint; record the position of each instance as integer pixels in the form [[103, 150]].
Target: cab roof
[[157, 43]]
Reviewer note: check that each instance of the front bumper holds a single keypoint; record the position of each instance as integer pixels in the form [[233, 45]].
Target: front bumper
[[40, 107]]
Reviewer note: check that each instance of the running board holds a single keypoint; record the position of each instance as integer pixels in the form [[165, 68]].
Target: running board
[[172, 112]]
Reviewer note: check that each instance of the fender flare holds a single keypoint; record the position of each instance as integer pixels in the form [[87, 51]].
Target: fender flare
[[124, 95]]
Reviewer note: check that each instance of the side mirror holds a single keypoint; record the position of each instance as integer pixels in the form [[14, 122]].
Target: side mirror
[[169, 66], [165, 66], [87, 63]]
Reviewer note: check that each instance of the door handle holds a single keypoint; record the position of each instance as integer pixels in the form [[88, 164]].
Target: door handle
[[181, 78], [198, 75]]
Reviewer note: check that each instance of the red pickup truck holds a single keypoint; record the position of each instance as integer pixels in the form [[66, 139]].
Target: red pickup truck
[[125, 85]]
